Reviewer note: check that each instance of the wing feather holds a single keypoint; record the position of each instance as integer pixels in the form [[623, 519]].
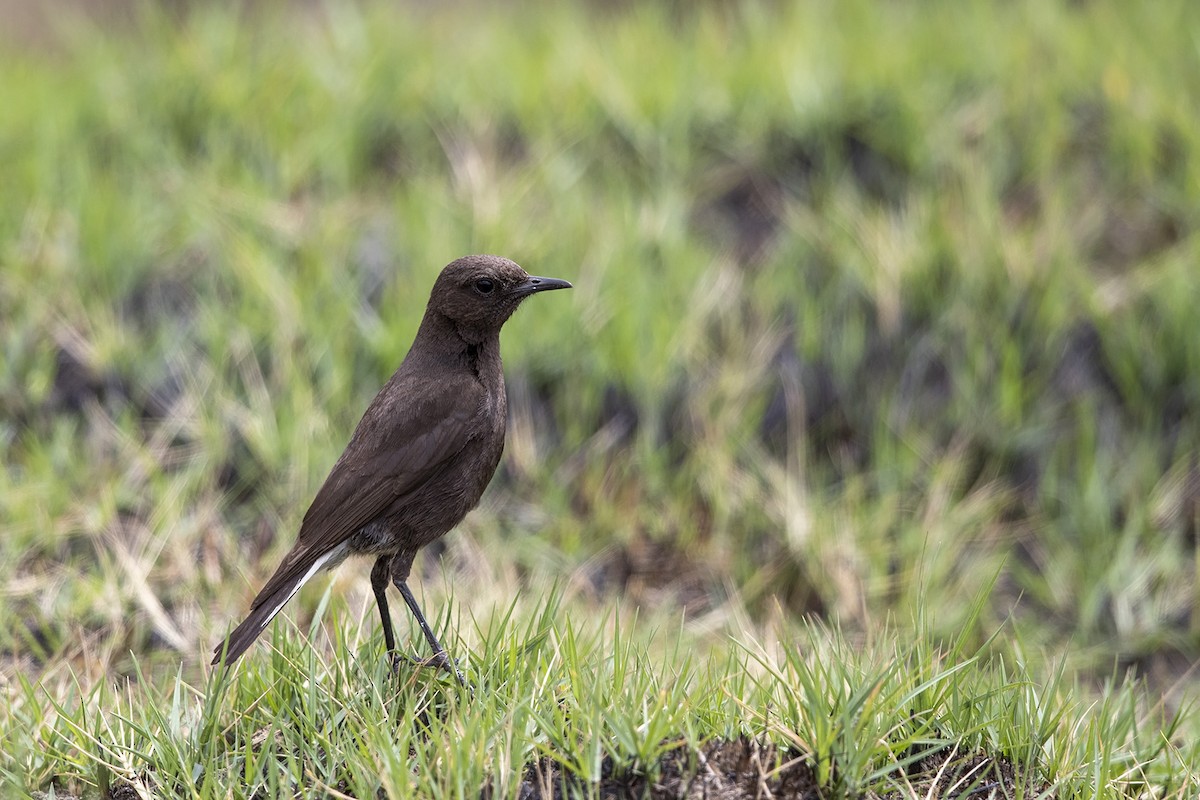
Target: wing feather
[[407, 433]]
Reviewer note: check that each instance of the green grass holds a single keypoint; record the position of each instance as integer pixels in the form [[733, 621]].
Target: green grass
[[597, 705], [872, 418]]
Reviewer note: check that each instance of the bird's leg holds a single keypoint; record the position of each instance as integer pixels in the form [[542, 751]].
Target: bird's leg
[[379, 582], [401, 565]]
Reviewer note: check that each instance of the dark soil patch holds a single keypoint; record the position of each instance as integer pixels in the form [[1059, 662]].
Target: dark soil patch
[[657, 572], [77, 384], [745, 769], [950, 775], [743, 210], [719, 770]]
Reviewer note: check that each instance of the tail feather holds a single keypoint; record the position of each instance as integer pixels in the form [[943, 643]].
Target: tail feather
[[240, 639], [265, 609]]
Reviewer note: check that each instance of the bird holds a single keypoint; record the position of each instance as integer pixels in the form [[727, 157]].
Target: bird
[[420, 457]]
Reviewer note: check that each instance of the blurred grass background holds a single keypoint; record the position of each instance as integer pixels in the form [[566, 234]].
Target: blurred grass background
[[878, 307]]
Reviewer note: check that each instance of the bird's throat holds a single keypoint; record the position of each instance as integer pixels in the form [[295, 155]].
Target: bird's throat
[[473, 357]]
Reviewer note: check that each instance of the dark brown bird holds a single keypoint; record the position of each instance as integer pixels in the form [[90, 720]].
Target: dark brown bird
[[422, 454]]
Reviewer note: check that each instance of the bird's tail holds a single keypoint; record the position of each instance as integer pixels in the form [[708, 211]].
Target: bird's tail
[[265, 607], [244, 634]]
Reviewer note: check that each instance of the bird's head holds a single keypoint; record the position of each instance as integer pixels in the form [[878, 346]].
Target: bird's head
[[479, 293]]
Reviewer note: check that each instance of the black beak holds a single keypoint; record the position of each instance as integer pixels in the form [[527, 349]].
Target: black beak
[[534, 284]]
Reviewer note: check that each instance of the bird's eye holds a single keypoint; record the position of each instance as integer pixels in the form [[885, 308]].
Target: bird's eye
[[484, 285]]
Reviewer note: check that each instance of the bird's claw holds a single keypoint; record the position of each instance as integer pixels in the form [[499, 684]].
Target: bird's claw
[[446, 663], [439, 659]]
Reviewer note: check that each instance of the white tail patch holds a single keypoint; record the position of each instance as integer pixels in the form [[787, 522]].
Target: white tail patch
[[336, 555]]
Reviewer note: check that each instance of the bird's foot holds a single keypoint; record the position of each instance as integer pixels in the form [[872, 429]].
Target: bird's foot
[[439, 659], [444, 662]]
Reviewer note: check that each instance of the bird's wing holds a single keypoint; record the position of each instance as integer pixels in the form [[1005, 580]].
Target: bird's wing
[[406, 434]]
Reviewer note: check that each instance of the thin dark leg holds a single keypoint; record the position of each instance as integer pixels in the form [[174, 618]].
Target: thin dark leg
[[379, 582], [401, 565], [406, 593]]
